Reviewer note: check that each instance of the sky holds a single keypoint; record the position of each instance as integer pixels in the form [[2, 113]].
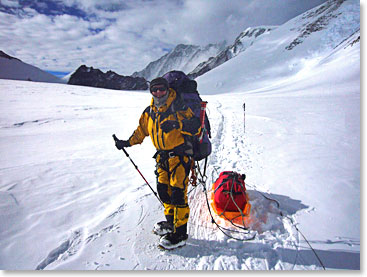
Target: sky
[[126, 35]]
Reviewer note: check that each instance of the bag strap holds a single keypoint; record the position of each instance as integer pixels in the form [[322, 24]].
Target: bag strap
[[234, 176]]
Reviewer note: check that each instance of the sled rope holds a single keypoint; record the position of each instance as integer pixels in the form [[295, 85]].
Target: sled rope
[[222, 228], [202, 181], [195, 171], [202, 178], [266, 197], [294, 225], [239, 209], [309, 244], [242, 215]]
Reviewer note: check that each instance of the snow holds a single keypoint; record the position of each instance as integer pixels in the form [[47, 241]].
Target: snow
[[71, 201]]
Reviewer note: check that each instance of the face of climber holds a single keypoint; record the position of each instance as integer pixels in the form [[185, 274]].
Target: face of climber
[[159, 91]]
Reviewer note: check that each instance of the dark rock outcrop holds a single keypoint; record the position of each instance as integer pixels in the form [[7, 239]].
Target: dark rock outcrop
[[93, 77]]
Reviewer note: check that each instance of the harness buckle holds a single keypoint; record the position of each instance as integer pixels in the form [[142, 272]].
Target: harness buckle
[[171, 154]]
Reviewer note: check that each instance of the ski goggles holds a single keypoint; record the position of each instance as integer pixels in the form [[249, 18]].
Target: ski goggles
[[155, 89]]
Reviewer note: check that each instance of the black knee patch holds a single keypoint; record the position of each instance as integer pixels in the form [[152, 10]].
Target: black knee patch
[[178, 196], [162, 190]]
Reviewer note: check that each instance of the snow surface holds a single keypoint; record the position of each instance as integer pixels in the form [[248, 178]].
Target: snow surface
[[70, 200]]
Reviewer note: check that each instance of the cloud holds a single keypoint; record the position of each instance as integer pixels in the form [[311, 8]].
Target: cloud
[[125, 36], [10, 3]]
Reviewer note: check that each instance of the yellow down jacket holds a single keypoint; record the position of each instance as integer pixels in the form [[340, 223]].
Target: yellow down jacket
[[152, 117]]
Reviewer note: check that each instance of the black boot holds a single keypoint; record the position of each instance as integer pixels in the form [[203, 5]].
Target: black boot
[[164, 227], [174, 240]]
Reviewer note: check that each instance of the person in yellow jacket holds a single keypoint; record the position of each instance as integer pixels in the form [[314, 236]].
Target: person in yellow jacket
[[171, 126]]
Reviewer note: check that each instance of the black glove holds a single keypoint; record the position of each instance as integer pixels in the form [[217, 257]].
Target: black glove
[[169, 125], [122, 144]]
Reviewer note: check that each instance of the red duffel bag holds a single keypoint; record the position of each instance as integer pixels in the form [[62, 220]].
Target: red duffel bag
[[230, 192]]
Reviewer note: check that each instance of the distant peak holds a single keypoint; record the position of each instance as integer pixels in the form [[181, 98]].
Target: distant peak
[[180, 47], [4, 55]]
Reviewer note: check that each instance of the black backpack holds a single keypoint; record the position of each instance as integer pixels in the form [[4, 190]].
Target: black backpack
[[187, 91]]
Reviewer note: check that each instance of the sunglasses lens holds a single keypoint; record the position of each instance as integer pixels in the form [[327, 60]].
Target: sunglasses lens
[[155, 89]]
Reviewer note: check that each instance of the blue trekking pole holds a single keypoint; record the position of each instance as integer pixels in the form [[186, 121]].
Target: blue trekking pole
[[136, 167]]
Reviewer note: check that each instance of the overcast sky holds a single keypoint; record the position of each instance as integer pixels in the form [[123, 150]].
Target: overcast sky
[[125, 35]]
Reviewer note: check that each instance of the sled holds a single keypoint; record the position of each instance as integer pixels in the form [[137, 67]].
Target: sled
[[240, 217]]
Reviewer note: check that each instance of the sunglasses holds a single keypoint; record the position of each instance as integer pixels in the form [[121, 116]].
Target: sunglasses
[[155, 89]]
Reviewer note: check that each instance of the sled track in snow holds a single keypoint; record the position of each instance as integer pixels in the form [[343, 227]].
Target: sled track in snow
[[218, 139], [276, 246]]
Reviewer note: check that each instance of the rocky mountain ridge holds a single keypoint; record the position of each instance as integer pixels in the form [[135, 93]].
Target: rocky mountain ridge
[[183, 57], [241, 43], [89, 76]]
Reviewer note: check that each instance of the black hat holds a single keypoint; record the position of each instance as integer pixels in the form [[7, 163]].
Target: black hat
[[159, 81]]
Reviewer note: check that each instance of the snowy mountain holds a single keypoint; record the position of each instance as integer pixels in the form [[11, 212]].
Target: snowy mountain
[[14, 69], [71, 201], [182, 57], [289, 50], [241, 43]]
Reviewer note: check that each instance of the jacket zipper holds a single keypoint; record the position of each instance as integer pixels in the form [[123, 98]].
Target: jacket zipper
[[157, 130]]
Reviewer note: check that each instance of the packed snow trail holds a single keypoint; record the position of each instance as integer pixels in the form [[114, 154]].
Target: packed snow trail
[[273, 232]]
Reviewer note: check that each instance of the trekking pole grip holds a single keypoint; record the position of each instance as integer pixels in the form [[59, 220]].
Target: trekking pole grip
[[123, 149]]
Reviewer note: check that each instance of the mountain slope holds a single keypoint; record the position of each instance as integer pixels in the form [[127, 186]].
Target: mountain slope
[[241, 43], [288, 50], [14, 69], [182, 57]]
